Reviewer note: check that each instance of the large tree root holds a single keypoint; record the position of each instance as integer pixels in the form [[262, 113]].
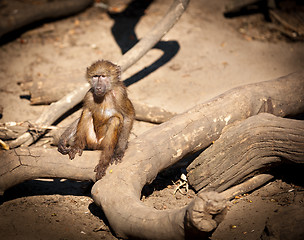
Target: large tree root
[[21, 164], [118, 193], [196, 219], [167, 143], [245, 148]]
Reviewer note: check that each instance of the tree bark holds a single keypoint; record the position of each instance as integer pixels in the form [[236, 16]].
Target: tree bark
[[118, 193], [245, 149]]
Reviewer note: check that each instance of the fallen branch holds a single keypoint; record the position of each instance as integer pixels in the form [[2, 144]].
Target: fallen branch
[[242, 149], [46, 93], [118, 193], [29, 12], [167, 143], [144, 112], [56, 110], [25, 164], [21, 164], [140, 166], [247, 186], [151, 114]]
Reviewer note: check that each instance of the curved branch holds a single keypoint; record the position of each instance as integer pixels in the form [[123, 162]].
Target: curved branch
[[118, 193], [57, 109], [245, 148], [195, 219], [167, 143], [154, 35]]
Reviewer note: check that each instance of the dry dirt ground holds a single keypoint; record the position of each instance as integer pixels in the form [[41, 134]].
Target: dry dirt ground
[[204, 55]]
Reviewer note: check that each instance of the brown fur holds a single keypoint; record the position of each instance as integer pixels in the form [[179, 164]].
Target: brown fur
[[106, 119]]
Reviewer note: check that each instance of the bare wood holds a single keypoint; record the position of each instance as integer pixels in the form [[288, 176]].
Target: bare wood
[[51, 114], [247, 186], [155, 34], [56, 110], [167, 143], [247, 148], [46, 92], [153, 114], [11, 130], [236, 6], [204, 218], [32, 12], [21, 164], [144, 112], [25, 164], [118, 193]]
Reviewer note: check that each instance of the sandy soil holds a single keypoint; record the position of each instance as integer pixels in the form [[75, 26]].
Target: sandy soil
[[204, 55]]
